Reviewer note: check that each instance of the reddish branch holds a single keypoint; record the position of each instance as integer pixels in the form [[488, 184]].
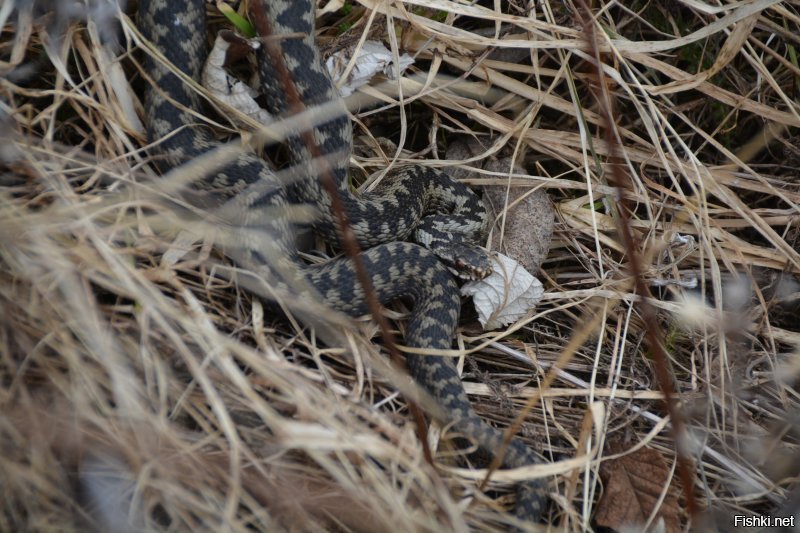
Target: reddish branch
[[348, 239], [620, 178]]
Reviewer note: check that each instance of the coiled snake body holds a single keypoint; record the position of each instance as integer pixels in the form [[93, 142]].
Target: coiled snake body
[[454, 216]]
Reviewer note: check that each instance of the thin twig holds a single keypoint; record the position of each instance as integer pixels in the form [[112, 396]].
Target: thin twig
[[621, 179], [348, 238]]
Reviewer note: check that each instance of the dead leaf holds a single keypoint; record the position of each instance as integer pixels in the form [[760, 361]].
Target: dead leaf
[[633, 487], [506, 295]]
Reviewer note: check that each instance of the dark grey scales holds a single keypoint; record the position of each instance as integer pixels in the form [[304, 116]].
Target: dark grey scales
[[452, 213]]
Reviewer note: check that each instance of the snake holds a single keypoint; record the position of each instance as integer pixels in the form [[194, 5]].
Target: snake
[[442, 217]]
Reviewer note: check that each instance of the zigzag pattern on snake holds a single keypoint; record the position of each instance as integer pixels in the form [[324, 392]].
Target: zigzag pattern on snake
[[453, 216]]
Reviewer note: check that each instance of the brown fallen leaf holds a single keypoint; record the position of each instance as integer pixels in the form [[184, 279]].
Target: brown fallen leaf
[[633, 485]]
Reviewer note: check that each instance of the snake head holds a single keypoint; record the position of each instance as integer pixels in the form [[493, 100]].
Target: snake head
[[468, 262]]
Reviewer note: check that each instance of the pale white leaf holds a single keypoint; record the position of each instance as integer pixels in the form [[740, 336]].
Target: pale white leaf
[[506, 295], [227, 88], [372, 58]]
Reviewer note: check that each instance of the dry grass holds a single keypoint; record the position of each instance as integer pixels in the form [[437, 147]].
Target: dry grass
[[135, 376]]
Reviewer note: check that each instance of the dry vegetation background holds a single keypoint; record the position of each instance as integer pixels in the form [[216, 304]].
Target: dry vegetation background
[[140, 389]]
